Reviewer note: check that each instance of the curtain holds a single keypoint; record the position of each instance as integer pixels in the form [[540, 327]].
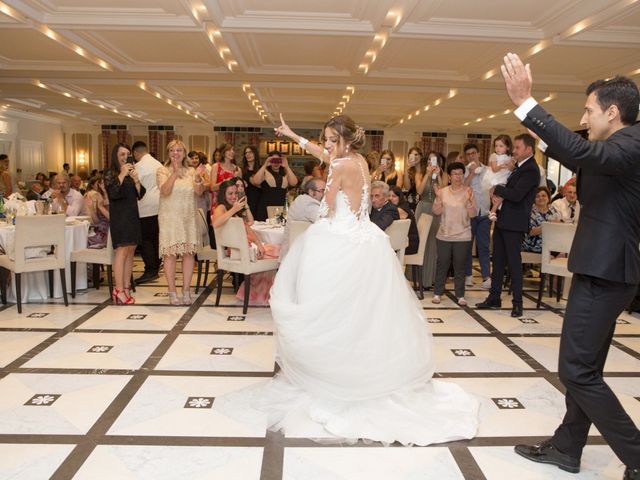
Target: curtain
[[376, 143], [122, 136], [106, 158], [170, 136], [229, 137], [254, 139], [154, 138]]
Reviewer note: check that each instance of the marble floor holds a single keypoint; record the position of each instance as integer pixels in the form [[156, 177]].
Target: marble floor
[[97, 391]]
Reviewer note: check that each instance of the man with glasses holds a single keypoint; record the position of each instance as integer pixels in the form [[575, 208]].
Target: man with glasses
[[480, 224], [304, 208]]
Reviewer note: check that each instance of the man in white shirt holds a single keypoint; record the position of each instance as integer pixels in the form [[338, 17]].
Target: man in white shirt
[[147, 167], [480, 224], [304, 208], [568, 206], [65, 199]]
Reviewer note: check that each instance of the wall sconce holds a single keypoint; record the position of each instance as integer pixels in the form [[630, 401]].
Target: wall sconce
[[82, 158]]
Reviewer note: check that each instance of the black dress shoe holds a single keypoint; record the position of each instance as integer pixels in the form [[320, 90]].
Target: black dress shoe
[[545, 452], [631, 474], [489, 304], [146, 277], [516, 311]]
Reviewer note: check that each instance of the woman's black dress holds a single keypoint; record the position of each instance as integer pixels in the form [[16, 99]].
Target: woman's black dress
[[123, 210], [253, 193], [271, 196]]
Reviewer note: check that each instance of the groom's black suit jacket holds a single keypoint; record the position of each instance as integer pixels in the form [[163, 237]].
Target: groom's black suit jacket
[[518, 194]]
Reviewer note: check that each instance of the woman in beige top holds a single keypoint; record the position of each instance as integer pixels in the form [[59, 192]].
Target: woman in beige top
[[456, 206], [178, 185]]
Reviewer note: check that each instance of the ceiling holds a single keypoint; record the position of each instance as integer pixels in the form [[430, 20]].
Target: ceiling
[[424, 65]]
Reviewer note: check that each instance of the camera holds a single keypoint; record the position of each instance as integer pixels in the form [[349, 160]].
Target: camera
[[131, 160], [434, 160], [276, 161]]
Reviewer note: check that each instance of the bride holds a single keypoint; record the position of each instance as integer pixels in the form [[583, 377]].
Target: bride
[[354, 350]]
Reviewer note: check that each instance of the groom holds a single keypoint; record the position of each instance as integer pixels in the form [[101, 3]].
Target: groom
[[604, 259]]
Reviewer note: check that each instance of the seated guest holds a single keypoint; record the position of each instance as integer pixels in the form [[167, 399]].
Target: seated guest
[[76, 183], [304, 208], [229, 205], [311, 170], [456, 206], [396, 197], [568, 207], [242, 193], [35, 189], [383, 212], [541, 212], [65, 199], [97, 202]]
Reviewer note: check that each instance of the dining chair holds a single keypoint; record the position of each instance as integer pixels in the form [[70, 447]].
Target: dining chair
[[556, 237], [296, 228], [398, 233], [36, 232], [232, 237], [204, 253], [95, 257], [416, 260]]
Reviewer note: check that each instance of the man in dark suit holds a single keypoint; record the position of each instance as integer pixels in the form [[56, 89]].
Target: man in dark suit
[[516, 200], [383, 212], [604, 259]]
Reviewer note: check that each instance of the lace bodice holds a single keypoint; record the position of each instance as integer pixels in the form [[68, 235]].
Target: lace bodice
[[343, 204]]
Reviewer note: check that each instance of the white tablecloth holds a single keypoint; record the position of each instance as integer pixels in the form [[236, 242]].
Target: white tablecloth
[[273, 234], [35, 285]]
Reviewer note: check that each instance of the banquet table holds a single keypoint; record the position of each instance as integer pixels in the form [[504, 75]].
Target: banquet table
[[272, 234], [35, 285]]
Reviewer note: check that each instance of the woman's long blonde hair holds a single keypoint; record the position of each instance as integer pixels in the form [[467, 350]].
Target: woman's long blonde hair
[[185, 159]]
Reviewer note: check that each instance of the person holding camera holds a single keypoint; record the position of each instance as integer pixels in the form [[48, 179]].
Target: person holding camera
[[124, 190], [179, 185], [273, 177], [413, 173]]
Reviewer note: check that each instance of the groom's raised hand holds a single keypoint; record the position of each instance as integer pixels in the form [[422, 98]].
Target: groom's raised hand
[[517, 78]]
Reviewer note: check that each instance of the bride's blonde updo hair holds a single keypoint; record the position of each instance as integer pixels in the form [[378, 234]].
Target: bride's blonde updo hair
[[352, 134]]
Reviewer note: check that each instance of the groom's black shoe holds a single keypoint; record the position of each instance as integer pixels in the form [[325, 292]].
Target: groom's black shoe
[[545, 452], [516, 311], [489, 304], [631, 474]]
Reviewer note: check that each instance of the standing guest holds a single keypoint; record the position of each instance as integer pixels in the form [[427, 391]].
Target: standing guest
[[513, 222], [250, 165], [426, 188], [386, 170], [604, 259], [456, 206], [98, 211], [273, 178], [311, 170], [216, 157], [304, 208], [383, 212], [147, 168], [198, 161], [124, 190], [396, 197], [224, 169], [541, 212], [6, 186], [568, 206], [76, 183], [178, 184], [413, 172], [65, 199], [479, 179], [66, 168], [373, 162]]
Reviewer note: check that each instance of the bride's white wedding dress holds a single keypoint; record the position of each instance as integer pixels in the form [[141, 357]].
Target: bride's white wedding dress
[[353, 346]]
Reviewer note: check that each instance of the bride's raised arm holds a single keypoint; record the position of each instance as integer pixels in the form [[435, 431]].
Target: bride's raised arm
[[316, 150]]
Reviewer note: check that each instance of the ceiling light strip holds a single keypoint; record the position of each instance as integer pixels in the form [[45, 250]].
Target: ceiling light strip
[[215, 37], [346, 98], [380, 39], [546, 99], [452, 93], [255, 102], [170, 101]]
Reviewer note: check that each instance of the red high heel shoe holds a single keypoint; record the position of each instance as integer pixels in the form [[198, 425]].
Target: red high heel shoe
[[130, 300], [119, 297]]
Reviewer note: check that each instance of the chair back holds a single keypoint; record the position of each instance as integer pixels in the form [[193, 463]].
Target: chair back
[[296, 228], [39, 231], [274, 210], [556, 237], [398, 233], [424, 225], [203, 228], [233, 236]]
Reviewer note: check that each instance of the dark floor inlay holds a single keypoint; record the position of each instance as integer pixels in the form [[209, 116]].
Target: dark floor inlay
[[100, 349], [222, 351], [235, 318], [38, 315], [622, 321], [528, 320], [161, 294], [43, 399], [199, 402], [463, 352], [434, 320], [137, 316], [506, 403]]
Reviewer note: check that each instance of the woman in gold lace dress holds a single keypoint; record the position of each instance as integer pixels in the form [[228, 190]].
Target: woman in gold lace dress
[[179, 185]]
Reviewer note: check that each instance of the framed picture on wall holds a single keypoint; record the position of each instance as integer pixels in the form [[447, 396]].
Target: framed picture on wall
[[285, 148], [297, 150], [271, 146]]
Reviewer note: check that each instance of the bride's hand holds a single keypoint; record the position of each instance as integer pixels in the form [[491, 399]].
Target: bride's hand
[[283, 130]]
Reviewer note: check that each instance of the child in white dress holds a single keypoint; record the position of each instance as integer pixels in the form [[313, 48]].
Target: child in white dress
[[500, 161]]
